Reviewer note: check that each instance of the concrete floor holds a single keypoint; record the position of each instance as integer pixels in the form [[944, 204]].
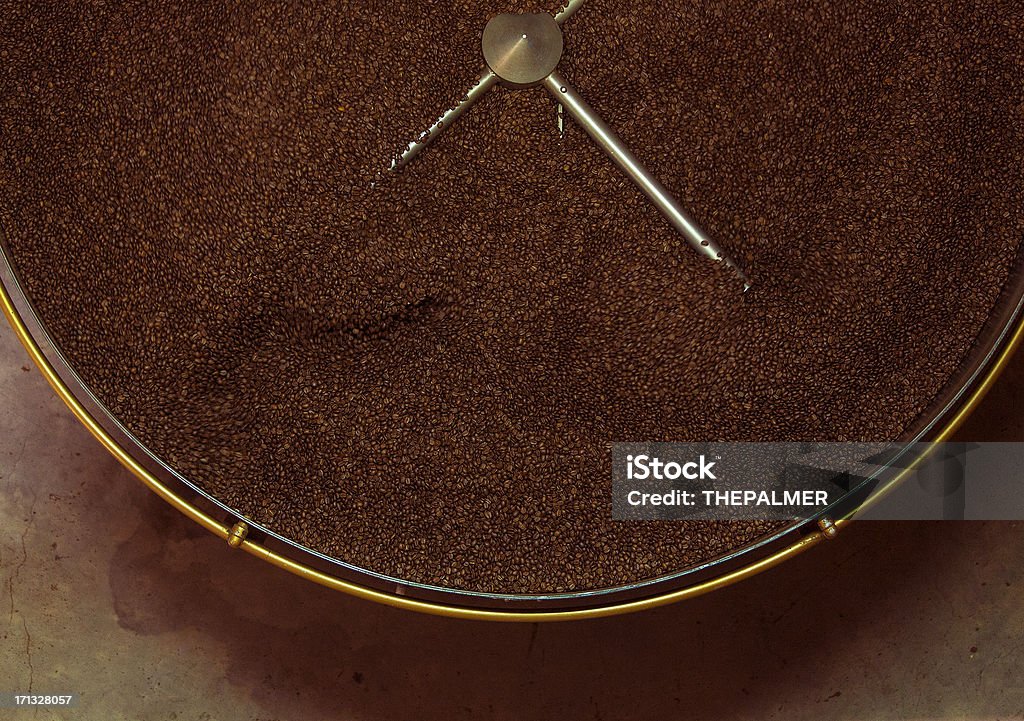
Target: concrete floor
[[107, 592]]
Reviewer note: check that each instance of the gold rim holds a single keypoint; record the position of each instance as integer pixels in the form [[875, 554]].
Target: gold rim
[[324, 579]]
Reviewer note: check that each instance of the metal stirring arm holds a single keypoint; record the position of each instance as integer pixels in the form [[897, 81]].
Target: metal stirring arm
[[568, 10], [612, 145], [484, 83], [523, 51]]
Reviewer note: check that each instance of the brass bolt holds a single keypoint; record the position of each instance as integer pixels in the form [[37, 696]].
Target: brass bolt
[[238, 533], [828, 528]]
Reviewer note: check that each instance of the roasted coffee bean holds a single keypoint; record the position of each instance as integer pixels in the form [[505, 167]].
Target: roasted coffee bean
[[421, 374]]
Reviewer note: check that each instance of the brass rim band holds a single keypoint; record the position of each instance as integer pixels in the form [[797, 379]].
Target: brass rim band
[[235, 534]]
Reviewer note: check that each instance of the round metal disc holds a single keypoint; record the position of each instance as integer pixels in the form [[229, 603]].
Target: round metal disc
[[522, 50]]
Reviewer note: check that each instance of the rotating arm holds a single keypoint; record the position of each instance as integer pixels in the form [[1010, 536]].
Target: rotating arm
[[612, 145], [484, 83], [567, 10]]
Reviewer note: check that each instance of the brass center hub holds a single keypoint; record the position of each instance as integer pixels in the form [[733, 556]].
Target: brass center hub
[[522, 50]]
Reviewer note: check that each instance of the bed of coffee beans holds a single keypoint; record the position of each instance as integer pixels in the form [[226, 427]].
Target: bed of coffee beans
[[422, 375]]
